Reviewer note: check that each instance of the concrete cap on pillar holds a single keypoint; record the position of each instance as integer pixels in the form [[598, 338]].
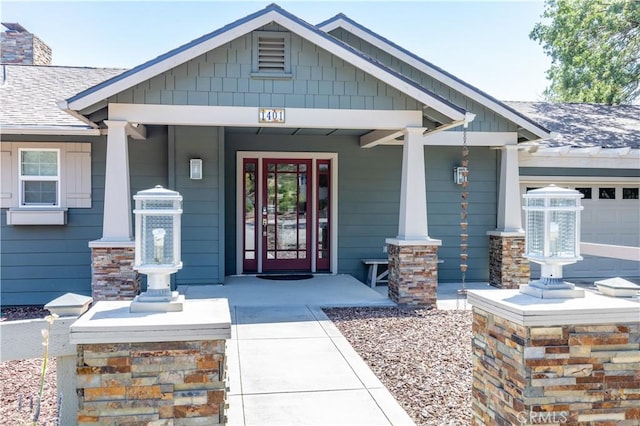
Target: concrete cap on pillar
[[69, 305]]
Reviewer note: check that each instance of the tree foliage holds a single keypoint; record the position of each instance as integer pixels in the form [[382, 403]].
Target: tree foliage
[[594, 47]]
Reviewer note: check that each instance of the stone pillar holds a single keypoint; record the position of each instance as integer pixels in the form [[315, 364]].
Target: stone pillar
[[152, 369], [413, 273], [508, 268], [113, 256], [112, 273], [413, 256], [537, 361]]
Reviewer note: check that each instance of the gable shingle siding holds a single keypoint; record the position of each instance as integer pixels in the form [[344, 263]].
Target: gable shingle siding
[[223, 77], [486, 119]]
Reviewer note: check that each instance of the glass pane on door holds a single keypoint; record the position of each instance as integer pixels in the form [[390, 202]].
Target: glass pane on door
[[249, 258], [285, 215], [323, 213]]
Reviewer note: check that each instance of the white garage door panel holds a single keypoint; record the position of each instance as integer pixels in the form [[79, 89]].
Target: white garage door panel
[[609, 221]]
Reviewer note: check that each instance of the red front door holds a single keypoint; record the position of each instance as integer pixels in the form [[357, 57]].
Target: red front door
[[286, 215]]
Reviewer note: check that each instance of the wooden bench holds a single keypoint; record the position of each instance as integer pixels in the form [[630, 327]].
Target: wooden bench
[[372, 275]]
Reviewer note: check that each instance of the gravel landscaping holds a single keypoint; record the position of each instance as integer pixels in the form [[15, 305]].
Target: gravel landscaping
[[21, 381], [422, 356]]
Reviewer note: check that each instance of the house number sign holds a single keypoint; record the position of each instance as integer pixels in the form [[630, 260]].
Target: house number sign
[[271, 115]]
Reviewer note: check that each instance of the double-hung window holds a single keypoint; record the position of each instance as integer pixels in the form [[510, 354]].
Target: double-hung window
[[39, 177], [41, 181]]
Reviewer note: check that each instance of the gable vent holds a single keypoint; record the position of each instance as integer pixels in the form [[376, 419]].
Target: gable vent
[[271, 54]]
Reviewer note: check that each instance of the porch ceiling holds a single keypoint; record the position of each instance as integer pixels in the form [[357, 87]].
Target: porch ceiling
[[289, 131]]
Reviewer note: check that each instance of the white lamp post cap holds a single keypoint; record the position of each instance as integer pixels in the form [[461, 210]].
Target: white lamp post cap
[[157, 192], [553, 191]]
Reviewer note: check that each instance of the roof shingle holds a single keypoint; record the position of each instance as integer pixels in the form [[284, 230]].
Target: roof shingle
[[586, 125], [28, 93]]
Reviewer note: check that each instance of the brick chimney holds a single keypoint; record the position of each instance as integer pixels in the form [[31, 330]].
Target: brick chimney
[[19, 46]]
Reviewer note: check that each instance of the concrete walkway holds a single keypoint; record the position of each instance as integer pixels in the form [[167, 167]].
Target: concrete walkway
[[289, 365]]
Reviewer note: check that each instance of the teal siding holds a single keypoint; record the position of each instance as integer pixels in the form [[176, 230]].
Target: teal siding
[[486, 120], [201, 203], [369, 194], [40, 263], [223, 77]]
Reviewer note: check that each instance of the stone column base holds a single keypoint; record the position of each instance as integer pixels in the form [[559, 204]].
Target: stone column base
[[508, 268], [413, 273], [537, 362], [152, 383], [112, 273], [160, 369]]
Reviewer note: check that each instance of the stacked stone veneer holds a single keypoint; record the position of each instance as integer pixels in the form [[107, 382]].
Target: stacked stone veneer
[[23, 48], [569, 374], [508, 268], [112, 273], [413, 274], [165, 383]]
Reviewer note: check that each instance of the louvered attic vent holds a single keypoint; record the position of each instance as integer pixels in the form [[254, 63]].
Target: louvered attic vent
[[271, 54]]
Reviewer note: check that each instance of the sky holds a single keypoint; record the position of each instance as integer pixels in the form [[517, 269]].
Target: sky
[[485, 43]]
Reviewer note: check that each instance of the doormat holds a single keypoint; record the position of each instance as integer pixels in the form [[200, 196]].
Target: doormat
[[286, 277]]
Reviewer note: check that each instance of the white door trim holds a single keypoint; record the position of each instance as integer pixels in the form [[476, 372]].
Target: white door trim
[[314, 156]]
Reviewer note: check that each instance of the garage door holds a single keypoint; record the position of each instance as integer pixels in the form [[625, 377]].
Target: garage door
[[611, 215]]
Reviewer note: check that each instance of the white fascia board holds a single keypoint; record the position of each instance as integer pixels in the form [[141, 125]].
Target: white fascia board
[[622, 158], [202, 115], [437, 74], [247, 27], [49, 131], [64, 106], [173, 61], [375, 71]]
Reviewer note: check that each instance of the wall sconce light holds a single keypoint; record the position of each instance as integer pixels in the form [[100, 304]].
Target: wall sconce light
[[195, 168], [460, 175]]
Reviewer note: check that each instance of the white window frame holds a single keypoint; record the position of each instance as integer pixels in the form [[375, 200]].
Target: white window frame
[[74, 182], [22, 178]]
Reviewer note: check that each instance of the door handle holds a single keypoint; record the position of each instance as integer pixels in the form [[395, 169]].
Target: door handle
[[264, 221]]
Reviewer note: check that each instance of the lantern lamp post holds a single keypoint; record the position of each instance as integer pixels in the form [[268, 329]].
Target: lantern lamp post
[[552, 239], [157, 248]]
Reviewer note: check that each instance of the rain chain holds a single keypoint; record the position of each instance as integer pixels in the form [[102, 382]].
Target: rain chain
[[464, 204]]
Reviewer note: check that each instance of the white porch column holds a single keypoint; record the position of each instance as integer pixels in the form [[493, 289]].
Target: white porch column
[[413, 191], [116, 225], [113, 256], [413, 256], [508, 268], [509, 207]]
